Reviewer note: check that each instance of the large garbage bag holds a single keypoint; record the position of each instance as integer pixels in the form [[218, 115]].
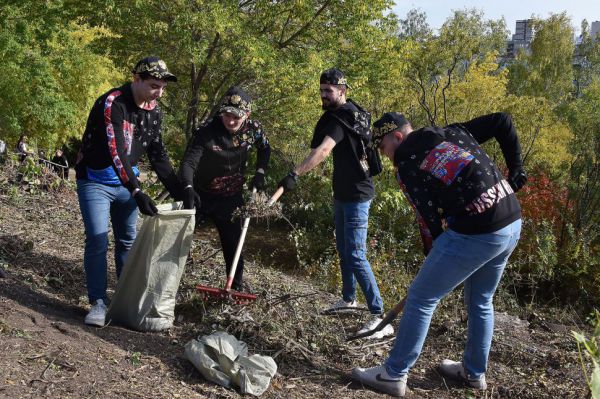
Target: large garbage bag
[[224, 360], [145, 295]]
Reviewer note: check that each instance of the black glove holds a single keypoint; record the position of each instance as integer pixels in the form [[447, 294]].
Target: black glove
[[189, 197], [145, 204], [258, 181], [517, 178], [289, 181]]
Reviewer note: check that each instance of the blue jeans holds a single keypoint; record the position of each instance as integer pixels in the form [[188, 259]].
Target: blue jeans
[[351, 223], [98, 202], [478, 261]]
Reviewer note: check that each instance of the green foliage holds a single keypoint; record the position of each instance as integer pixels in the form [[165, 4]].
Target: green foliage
[[584, 179], [50, 73], [437, 63], [591, 349], [546, 71]]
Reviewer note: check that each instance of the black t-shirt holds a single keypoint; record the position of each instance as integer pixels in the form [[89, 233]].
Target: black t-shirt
[[349, 181]]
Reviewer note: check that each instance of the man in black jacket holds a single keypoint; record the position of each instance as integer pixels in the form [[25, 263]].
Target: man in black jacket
[[218, 152], [353, 192], [61, 165], [123, 125], [470, 221]]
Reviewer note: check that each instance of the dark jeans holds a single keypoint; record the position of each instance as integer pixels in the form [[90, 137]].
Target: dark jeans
[[219, 210]]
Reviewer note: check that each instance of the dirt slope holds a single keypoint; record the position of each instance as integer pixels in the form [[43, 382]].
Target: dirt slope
[[48, 352]]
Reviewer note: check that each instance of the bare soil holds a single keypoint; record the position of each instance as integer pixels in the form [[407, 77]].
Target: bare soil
[[47, 351]]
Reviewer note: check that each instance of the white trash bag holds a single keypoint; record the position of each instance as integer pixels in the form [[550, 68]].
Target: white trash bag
[[145, 295], [224, 360]]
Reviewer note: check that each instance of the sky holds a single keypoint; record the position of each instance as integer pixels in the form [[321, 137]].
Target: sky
[[439, 10]]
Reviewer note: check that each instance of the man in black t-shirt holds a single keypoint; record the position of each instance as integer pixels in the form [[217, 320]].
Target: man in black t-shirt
[[353, 191], [470, 222]]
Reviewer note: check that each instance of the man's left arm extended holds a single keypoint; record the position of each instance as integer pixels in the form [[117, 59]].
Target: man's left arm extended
[[314, 158], [500, 126]]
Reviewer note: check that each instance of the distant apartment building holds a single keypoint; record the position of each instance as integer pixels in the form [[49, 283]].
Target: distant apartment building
[[595, 30], [521, 38]]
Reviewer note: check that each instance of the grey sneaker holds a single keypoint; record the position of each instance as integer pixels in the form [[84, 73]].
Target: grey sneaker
[[342, 306], [374, 322], [379, 379], [456, 371], [97, 314]]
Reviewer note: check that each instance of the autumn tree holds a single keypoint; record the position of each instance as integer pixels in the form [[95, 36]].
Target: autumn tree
[[50, 72], [547, 70], [438, 62]]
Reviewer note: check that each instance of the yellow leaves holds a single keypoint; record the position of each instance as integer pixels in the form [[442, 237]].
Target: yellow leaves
[[482, 89], [542, 135]]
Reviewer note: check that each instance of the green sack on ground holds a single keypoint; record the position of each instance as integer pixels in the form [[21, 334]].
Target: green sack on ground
[[145, 295]]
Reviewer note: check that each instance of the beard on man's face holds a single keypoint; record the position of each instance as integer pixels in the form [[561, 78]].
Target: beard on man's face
[[327, 104]]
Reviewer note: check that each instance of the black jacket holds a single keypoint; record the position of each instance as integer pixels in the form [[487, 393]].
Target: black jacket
[[450, 179], [220, 158], [118, 133]]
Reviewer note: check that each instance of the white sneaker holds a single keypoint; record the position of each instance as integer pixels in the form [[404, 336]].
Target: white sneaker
[[456, 371], [342, 306], [97, 314], [372, 324], [378, 378]]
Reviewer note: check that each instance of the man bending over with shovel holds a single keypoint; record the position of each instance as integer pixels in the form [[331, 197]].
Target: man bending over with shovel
[[218, 152], [451, 181]]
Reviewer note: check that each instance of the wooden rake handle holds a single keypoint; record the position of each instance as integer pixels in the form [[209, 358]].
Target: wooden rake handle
[[238, 250], [275, 196], [387, 319]]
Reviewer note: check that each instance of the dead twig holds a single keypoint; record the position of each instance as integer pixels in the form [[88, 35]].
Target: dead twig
[[43, 376], [382, 343]]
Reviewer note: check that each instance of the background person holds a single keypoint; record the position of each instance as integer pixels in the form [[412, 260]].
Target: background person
[[60, 159], [22, 149]]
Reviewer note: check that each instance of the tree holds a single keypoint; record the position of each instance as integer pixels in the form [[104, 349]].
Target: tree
[[50, 73], [547, 71], [435, 64], [587, 60], [414, 26]]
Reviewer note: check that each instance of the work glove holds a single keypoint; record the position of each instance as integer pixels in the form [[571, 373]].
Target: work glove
[[145, 204], [289, 181], [517, 178], [258, 181], [189, 197]]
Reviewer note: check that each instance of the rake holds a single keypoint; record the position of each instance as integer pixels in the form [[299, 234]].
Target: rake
[[241, 298]]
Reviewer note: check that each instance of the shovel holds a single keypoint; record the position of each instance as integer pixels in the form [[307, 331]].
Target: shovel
[[227, 292], [387, 319]]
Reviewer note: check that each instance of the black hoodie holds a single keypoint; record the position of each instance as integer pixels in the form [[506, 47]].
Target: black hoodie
[[220, 158], [448, 176]]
